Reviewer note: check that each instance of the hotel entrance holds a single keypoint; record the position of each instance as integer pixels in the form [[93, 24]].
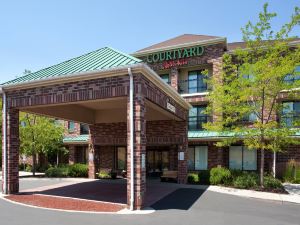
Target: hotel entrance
[[158, 160]]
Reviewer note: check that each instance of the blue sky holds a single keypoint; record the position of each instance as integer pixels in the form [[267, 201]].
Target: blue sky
[[35, 34]]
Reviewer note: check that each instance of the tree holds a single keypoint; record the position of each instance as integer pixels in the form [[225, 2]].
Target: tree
[[39, 135], [253, 83]]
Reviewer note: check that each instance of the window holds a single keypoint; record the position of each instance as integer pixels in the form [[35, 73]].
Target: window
[[197, 117], [84, 129], [241, 158], [121, 158], [196, 82], [80, 154], [291, 78], [290, 113], [197, 157], [71, 126], [165, 78]]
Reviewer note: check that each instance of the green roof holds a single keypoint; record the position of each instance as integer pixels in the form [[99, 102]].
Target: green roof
[[207, 134], [103, 58], [75, 139], [191, 135]]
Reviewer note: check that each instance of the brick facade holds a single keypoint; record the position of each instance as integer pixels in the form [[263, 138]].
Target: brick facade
[[12, 142]]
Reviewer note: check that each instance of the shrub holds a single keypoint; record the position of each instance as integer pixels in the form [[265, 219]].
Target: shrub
[[292, 172], [204, 176], [78, 170], [193, 178], [28, 168], [246, 180], [220, 175], [42, 168], [272, 183], [236, 173], [104, 174], [57, 171]]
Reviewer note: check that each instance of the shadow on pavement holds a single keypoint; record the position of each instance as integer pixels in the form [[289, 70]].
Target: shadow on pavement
[[181, 199]]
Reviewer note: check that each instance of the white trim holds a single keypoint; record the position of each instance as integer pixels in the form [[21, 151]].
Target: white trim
[[195, 94]]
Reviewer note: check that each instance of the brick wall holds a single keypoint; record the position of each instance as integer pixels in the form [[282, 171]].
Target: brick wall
[[12, 139]]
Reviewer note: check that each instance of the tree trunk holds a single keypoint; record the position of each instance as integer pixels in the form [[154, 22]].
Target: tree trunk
[[274, 164], [262, 163], [33, 164], [57, 158]]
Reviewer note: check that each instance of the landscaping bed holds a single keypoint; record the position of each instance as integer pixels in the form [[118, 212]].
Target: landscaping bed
[[236, 179]]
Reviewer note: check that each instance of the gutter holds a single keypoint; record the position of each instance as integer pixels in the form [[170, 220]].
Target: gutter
[[4, 147], [131, 90]]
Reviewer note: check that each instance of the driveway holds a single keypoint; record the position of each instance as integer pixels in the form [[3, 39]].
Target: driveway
[[182, 206]]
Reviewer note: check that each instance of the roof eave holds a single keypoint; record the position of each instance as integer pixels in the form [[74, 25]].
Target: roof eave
[[188, 44], [123, 70]]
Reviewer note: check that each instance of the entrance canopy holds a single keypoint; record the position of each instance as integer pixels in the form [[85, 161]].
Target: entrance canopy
[[112, 92]]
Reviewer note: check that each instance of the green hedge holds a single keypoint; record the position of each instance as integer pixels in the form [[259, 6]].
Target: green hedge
[[246, 180], [78, 170], [75, 170], [57, 172], [193, 178], [220, 175], [272, 183]]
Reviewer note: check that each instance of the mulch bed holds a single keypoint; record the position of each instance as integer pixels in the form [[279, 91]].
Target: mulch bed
[[65, 203]]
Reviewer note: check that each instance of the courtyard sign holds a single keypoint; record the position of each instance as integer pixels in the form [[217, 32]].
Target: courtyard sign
[[175, 54]]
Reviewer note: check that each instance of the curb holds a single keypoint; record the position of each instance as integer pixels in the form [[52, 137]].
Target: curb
[[290, 198], [121, 212]]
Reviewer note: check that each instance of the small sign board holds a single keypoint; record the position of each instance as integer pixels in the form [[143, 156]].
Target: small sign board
[[181, 155], [171, 107]]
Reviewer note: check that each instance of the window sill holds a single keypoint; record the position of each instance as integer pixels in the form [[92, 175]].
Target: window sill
[[195, 94]]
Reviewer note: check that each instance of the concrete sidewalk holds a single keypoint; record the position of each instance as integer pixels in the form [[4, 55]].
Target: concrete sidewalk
[[293, 189], [293, 198], [25, 174]]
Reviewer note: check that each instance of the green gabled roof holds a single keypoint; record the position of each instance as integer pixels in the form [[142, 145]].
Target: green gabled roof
[[208, 134], [103, 58], [212, 134], [76, 139]]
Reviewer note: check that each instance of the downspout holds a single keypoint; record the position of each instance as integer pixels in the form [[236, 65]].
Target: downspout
[[131, 90], [4, 142]]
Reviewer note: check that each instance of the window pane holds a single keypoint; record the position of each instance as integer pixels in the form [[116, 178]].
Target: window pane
[[191, 158], [201, 157], [84, 129], [235, 157], [192, 79], [165, 160], [165, 77], [249, 159], [71, 126], [121, 151]]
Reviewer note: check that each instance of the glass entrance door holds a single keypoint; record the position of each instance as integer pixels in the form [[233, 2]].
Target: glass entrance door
[[157, 161]]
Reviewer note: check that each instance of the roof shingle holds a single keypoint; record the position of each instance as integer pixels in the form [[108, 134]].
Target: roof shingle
[[103, 58], [182, 39]]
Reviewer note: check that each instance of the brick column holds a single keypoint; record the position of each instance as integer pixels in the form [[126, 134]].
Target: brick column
[[71, 154], [139, 150], [183, 152], [173, 157], [174, 76], [12, 141]]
